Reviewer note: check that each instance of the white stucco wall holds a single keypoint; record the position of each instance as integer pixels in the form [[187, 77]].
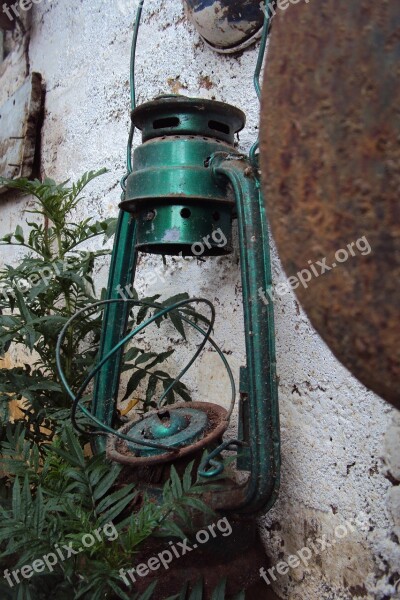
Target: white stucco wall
[[340, 443]]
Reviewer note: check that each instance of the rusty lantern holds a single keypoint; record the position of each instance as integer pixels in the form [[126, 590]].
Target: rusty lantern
[[186, 182]]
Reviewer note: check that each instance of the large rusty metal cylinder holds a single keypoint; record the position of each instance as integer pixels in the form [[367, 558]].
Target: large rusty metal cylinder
[[330, 155]]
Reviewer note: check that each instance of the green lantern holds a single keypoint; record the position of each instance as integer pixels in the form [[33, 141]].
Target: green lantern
[[185, 183]]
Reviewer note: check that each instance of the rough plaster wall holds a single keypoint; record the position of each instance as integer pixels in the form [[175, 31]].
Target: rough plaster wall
[[340, 443]]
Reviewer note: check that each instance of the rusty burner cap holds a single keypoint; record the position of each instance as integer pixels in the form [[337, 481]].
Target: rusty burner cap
[[189, 427]]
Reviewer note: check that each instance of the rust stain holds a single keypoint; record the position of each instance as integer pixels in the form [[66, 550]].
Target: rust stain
[[175, 85], [205, 82]]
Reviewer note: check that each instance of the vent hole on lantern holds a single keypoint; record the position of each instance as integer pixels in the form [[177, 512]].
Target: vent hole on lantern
[[186, 213], [167, 122], [216, 216], [218, 126]]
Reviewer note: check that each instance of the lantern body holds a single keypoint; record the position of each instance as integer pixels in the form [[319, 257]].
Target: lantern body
[[177, 202]]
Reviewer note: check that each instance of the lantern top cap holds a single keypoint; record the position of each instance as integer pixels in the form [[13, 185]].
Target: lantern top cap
[[182, 115]]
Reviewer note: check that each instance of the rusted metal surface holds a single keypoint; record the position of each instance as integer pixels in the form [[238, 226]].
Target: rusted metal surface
[[117, 450], [330, 150], [19, 128]]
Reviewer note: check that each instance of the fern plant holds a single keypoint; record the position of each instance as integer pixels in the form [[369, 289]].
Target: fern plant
[[52, 281], [71, 494], [51, 492]]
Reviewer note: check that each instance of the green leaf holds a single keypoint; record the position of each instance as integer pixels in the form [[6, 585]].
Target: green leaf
[[26, 498], [219, 592], [120, 593], [114, 497], [111, 228], [106, 482], [197, 592], [199, 505], [187, 477], [149, 592], [39, 513], [74, 446], [145, 357], [182, 391], [170, 397], [151, 388], [145, 309], [131, 354], [19, 234], [240, 596], [66, 456], [177, 323], [160, 358], [170, 528], [176, 484], [16, 498], [133, 383], [45, 385], [115, 511], [175, 299], [182, 595]]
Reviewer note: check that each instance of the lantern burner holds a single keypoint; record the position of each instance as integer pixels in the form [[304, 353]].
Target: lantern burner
[[188, 428], [176, 428]]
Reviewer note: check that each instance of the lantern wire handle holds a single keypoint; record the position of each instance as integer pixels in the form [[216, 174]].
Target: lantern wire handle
[[256, 79], [133, 95], [162, 311]]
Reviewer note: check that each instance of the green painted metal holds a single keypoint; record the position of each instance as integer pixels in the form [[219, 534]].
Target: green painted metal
[[176, 428], [181, 115], [165, 424], [185, 229], [171, 191], [122, 273], [184, 171], [244, 457], [261, 390]]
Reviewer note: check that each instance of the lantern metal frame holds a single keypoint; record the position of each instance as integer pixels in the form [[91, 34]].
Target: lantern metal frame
[[188, 160]]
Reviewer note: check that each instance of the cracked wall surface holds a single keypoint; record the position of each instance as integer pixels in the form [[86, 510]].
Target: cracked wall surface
[[340, 442]]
